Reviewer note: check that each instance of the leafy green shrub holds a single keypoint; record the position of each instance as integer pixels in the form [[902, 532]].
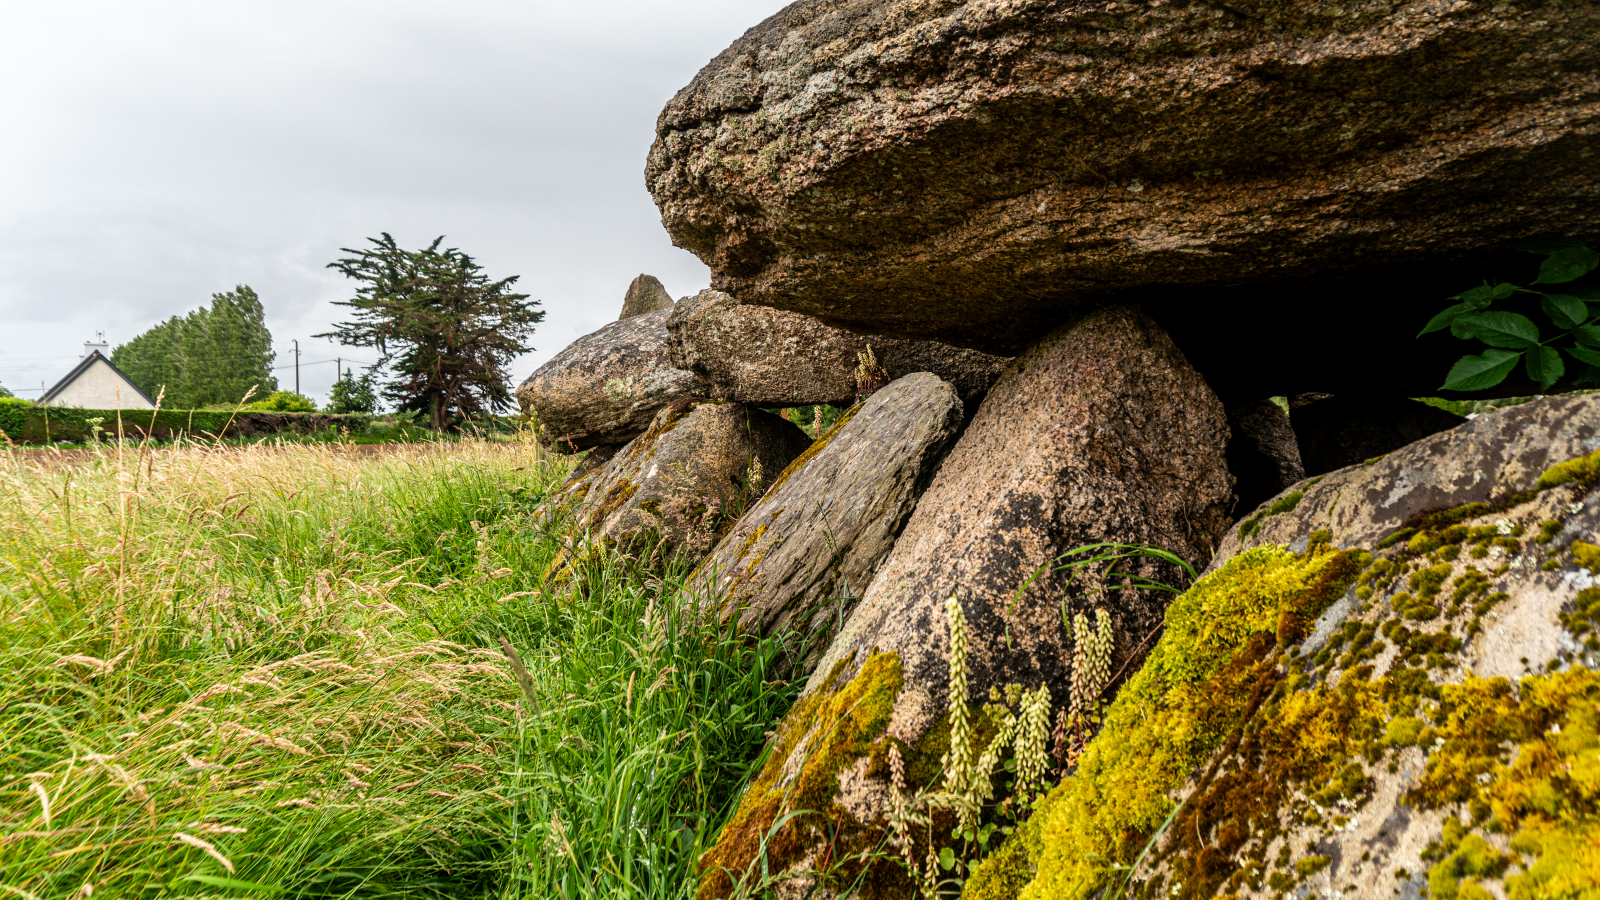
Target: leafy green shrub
[[1513, 337], [284, 401], [353, 395], [13, 412]]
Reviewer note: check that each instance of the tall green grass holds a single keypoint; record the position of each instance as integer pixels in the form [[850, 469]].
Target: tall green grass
[[276, 671]]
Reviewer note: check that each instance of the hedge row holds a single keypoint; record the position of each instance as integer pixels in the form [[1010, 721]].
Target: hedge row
[[25, 423]]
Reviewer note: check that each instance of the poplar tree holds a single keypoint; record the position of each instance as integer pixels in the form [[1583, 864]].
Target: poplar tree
[[447, 333], [212, 355]]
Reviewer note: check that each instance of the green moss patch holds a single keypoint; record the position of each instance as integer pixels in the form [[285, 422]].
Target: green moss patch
[[1584, 470], [1287, 504], [1270, 746], [830, 729], [817, 446], [1210, 670]]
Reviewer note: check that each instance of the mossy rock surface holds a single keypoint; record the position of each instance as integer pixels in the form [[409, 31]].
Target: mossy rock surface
[[796, 562], [678, 487], [1102, 432], [1365, 720], [1485, 460], [606, 387]]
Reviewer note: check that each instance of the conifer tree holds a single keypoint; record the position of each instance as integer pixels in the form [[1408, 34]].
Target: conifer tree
[[447, 332]]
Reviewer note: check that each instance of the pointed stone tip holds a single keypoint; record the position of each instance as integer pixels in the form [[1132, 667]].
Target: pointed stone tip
[[645, 294]]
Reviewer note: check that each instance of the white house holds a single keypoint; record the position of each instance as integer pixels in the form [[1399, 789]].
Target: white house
[[97, 384]]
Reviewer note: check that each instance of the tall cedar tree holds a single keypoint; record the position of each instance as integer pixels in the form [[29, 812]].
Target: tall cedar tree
[[212, 355], [446, 331]]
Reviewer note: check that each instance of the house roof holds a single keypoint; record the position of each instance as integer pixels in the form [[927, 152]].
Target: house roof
[[83, 367]]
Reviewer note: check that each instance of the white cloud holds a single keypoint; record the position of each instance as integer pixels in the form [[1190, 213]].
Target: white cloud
[[154, 153]]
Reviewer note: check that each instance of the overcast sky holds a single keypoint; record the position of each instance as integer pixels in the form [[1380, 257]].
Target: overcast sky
[[154, 153]]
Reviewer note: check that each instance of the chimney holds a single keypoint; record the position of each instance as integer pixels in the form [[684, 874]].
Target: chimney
[[99, 343]]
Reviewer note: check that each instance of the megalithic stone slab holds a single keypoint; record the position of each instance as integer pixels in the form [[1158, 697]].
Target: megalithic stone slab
[[968, 170], [799, 559], [606, 387], [681, 484], [645, 295], [1100, 432], [1384, 691], [771, 357]]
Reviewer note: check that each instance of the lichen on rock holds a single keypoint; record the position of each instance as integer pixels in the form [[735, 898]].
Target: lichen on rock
[[1434, 727]]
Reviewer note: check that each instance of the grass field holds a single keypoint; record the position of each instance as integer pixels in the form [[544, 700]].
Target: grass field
[[275, 671]]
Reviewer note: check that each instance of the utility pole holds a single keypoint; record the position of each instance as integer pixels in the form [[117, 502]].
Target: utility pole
[[338, 368], [297, 366]]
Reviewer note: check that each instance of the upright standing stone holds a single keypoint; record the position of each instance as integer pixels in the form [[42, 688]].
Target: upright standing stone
[[1262, 455], [645, 295], [799, 559], [682, 482], [1099, 432]]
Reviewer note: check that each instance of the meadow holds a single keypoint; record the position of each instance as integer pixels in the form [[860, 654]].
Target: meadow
[[280, 671]]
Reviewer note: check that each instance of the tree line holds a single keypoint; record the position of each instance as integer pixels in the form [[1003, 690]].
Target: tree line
[[212, 355], [445, 332]]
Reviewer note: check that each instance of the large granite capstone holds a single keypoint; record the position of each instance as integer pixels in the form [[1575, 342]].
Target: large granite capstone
[[969, 171]]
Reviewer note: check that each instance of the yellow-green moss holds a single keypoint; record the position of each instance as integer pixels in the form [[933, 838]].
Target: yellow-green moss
[[1528, 758], [1585, 470], [816, 447], [1222, 638], [1587, 555], [832, 727], [1287, 504], [1004, 873]]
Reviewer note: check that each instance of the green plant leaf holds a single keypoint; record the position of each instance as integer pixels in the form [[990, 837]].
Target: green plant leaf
[[1443, 319], [1545, 246], [1585, 355], [1588, 334], [1545, 366], [1567, 311], [232, 884], [1567, 264], [1481, 296], [1475, 373], [1497, 329], [947, 859]]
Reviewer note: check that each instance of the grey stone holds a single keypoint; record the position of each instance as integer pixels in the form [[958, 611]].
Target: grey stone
[[1100, 432], [771, 357], [607, 386], [681, 484], [1263, 454], [1483, 460], [1515, 627], [799, 559], [646, 294], [971, 170]]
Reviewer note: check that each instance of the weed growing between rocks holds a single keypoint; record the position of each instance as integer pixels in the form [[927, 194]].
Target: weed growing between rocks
[[277, 671]]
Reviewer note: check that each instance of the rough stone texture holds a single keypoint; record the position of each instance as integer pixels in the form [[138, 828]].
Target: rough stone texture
[[1344, 430], [1342, 711], [1262, 454], [684, 480], [967, 170], [593, 460], [607, 386], [771, 357], [645, 295], [1100, 432], [1481, 461], [798, 560], [1412, 790]]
